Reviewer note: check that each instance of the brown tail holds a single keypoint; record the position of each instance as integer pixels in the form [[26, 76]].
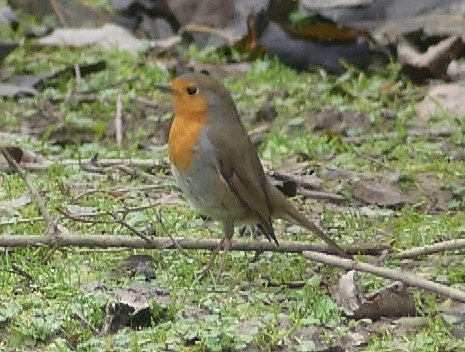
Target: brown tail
[[284, 208]]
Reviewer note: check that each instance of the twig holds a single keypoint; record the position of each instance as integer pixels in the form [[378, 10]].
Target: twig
[[431, 248], [59, 13], [84, 320], [77, 72], [109, 316], [119, 121], [80, 218], [18, 271], [176, 243], [130, 228], [393, 274], [52, 229], [133, 172], [378, 136], [373, 160], [102, 162], [118, 241], [196, 28], [117, 190], [147, 102], [83, 218], [318, 195]]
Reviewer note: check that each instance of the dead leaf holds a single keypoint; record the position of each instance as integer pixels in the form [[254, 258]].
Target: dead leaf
[[131, 306], [9, 18], [14, 91], [433, 63], [22, 156], [78, 210], [6, 48], [69, 13], [140, 264], [332, 120], [25, 199], [410, 26], [389, 302], [443, 100], [318, 4], [109, 36], [349, 295], [33, 81], [381, 193], [313, 46]]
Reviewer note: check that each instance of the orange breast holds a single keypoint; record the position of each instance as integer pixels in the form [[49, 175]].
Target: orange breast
[[183, 137]]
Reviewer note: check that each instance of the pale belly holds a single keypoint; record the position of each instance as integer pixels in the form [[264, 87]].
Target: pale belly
[[209, 194]]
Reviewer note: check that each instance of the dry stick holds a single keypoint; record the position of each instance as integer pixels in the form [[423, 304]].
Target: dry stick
[[431, 248], [196, 28], [133, 172], [319, 195], [176, 243], [115, 190], [59, 13], [52, 230], [80, 218], [77, 72], [147, 102], [373, 160], [119, 241], [130, 228], [101, 162], [425, 133], [393, 274], [119, 121]]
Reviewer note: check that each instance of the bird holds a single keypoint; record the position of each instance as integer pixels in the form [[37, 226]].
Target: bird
[[217, 168]]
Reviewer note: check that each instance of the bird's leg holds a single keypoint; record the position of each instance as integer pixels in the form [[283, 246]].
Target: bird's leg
[[228, 232], [256, 230], [209, 265]]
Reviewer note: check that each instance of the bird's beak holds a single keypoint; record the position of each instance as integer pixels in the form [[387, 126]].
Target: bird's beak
[[164, 88]]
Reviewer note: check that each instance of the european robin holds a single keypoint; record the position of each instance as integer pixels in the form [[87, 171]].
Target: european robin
[[216, 166]]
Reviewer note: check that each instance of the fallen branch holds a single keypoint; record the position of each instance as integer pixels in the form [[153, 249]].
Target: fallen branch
[[119, 121], [451, 245], [78, 218], [52, 229], [101, 162], [111, 241], [196, 28], [393, 274], [379, 136]]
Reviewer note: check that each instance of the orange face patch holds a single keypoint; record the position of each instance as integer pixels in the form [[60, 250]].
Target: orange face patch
[[188, 98]]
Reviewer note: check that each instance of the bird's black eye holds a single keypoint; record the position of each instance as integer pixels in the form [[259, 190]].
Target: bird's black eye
[[192, 90]]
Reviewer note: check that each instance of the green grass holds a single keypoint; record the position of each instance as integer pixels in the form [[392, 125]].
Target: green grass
[[253, 307]]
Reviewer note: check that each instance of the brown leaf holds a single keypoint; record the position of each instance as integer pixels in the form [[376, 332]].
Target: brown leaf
[[431, 64], [25, 199], [15, 91], [443, 98], [306, 48], [349, 295], [108, 37], [70, 13], [390, 301], [22, 156], [382, 193]]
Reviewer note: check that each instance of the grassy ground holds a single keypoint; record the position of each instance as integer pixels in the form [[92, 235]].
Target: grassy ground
[[55, 305]]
